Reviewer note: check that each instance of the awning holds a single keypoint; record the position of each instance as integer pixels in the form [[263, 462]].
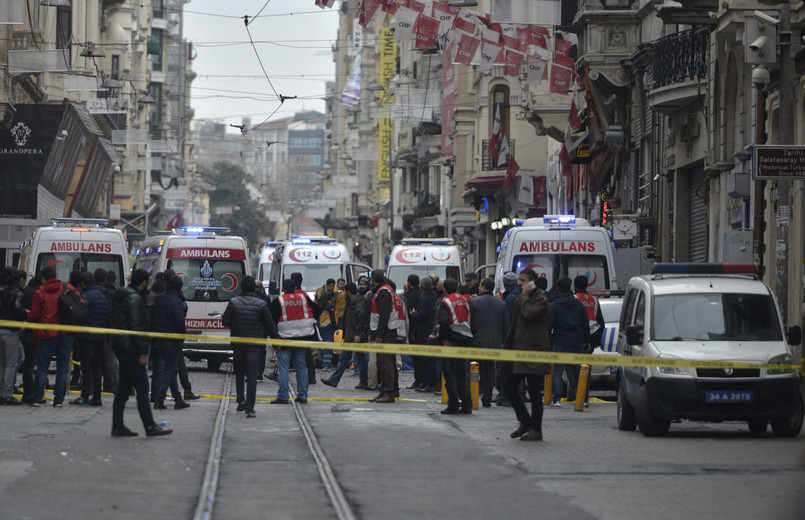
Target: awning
[[485, 183]]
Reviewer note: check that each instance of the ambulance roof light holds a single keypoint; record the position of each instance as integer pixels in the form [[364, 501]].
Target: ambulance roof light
[[96, 222], [559, 219], [198, 230], [704, 268], [300, 240]]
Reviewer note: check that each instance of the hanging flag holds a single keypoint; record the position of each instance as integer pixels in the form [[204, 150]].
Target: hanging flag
[[573, 118], [539, 190], [404, 22], [514, 60], [367, 12], [466, 49], [490, 52], [174, 222], [445, 15], [562, 53], [536, 69], [526, 192], [511, 171], [427, 30], [391, 6], [504, 152], [497, 128], [465, 24], [561, 77]]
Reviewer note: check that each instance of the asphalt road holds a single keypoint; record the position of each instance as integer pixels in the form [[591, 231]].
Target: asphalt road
[[390, 461]]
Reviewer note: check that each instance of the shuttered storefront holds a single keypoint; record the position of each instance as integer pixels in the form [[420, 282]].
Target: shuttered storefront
[[698, 216]]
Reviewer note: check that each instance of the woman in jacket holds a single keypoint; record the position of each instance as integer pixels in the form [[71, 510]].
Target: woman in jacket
[[529, 330], [12, 309]]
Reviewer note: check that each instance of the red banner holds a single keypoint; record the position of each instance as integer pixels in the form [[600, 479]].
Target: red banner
[[539, 190], [514, 60], [367, 12], [466, 49], [427, 29], [561, 77]]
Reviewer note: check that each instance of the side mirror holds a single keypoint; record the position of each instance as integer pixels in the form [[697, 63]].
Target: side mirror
[[272, 288], [794, 335], [634, 336]]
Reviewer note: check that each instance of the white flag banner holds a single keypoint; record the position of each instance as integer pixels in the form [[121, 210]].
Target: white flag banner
[[540, 52], [489, 34], [503, 155], [526, 192], [403, 24], [489, 55], [536, 69]]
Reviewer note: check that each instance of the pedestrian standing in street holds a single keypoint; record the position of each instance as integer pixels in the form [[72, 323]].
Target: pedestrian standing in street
[[169, 314], [45, 309], [529, 330], [327, 328], [422, 319], [295, 319], [11, 309], [29, 345], [490, 322], [595, 319], [181, 366], [309, 361], [91, 345], [248, 316], [156, 358], [129, 312], [110, 365], [355, 331], [570, 333], [411, 302], [455, 330], [383, 323], [365, 289], [473, 286]]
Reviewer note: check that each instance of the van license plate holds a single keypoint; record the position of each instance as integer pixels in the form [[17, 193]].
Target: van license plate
[[730, 396]]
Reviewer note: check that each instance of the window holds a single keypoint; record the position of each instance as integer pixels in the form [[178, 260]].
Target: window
[[500, 99], [64, 24]]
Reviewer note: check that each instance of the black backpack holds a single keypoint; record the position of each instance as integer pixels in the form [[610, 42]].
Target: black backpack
[[72, 308]]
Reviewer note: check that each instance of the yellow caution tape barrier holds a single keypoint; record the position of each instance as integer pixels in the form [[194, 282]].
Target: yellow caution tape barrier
[[471, 353]]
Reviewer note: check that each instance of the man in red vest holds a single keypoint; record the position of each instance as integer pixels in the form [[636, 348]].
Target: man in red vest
[[383, 323], [595, 316], [453, 315]]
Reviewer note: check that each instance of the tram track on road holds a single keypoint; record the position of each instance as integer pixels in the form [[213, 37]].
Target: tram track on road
[[208, 493]]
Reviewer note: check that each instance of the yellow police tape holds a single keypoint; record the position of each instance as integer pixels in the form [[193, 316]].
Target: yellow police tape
[[473, 353]]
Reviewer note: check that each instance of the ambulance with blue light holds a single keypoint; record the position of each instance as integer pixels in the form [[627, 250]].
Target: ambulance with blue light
[[264, 263], [423, 257], [706, 313], [75, 243], [212, 264], [555, 246], [317, 259]]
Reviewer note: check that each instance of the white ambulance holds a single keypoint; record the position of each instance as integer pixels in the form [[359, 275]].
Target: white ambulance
[[423, 257], [558, 245], [72, 243], [264, 263], [212, 265], [316, 258]]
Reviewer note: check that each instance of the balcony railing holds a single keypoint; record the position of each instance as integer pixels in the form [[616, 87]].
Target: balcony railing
[[681, 57], [487, 161]]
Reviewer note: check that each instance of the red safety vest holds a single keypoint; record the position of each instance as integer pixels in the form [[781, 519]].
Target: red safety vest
[[397, 316], [590, 303], [459, 307], [296, 319]]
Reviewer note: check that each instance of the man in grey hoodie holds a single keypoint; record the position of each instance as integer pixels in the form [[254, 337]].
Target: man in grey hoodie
[[570, 332]]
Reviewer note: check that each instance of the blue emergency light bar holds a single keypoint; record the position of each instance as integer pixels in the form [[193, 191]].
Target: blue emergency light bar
[[704, 268], [298, 240], [198, 230], [559, 219]]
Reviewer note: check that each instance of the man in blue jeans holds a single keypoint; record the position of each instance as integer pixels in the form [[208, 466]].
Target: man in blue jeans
[[570, 332], [45, 309], [356, 330]]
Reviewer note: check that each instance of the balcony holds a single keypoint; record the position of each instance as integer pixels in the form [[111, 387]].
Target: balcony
[[679, 62], [487, 161]]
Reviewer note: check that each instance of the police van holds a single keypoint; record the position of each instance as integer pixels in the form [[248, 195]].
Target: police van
[[76, 243], [264, 263], [555, 246], [706, 312], [316, 258], [212, 264], [423, 257]]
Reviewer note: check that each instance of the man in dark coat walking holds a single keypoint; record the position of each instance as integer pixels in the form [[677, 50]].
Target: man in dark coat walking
[[90, 346], [169, 314], [570, 333], [490, 322]]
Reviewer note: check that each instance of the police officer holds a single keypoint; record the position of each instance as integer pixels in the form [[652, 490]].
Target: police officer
[[455, 330], [383, 323]]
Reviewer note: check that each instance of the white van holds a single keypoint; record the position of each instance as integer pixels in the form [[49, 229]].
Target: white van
[[264, 263], [558, 245], [423, 257], [317, 258], [76, 243], [212, 265], [706, 312]]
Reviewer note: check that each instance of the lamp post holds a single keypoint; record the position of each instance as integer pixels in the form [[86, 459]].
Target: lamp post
[[784, 137]]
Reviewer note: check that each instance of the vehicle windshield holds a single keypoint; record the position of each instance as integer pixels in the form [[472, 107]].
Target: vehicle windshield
[[715, 317], [209, 279], [66, 262], [594, 267], [399, 274], [314, 275]]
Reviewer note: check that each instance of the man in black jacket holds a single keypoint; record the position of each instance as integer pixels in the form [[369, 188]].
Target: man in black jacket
[[90, 346], [169, 313], [490, 322], [248, 316], [129, 313], [422, 319]]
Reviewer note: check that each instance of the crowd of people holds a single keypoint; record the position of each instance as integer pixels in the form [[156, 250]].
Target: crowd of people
[[431, 311]]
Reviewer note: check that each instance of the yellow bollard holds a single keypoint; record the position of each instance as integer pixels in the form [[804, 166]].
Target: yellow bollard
[[581, 390], [475, 381], [548, 388], [444, 391]]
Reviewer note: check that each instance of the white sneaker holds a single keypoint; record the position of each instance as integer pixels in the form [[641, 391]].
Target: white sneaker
[[556, 404], [586, 404]]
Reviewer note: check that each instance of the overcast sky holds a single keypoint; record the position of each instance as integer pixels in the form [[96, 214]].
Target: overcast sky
[[292, 38]]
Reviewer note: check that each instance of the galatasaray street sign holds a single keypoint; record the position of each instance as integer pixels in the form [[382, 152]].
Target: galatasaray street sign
[[772, 162]]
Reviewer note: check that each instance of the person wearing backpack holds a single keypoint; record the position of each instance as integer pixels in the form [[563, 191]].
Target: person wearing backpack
[[45, 309], [91, 345]]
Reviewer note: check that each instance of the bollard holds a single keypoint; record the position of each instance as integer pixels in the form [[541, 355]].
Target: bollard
[[475, 381], [444, 391], [546, 400], [581, 390]]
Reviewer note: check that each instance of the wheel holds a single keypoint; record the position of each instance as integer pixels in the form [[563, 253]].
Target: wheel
[[757, 425], [214, 364], [649, 425], [626, 414], [791, 425]]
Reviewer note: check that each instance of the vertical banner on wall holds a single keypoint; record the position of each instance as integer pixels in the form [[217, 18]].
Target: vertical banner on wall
[[385, 130]]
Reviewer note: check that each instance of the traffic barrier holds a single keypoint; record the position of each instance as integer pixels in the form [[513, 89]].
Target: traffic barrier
[[445, 397], [475, 381], [469, 353], [581, 387], [548, 388]]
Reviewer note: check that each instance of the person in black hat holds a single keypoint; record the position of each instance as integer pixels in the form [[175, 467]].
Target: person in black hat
[[472, 280]]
